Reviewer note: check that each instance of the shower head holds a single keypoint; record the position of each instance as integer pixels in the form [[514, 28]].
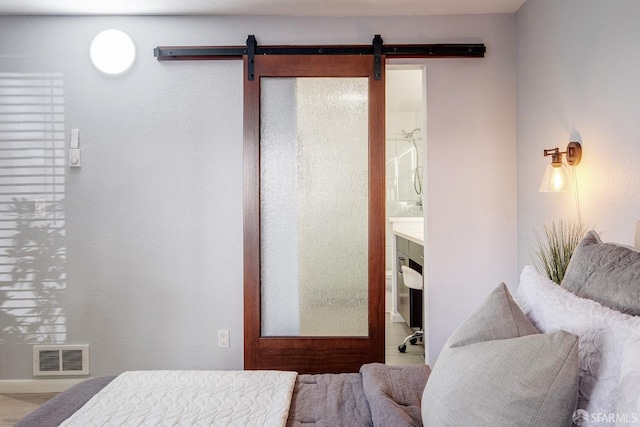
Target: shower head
[[410, 135], [417, 169]]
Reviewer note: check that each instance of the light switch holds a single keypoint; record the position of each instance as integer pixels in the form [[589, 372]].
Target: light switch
[[74, 149], [75, 140]]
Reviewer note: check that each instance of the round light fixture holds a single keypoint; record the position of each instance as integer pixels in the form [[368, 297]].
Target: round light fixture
[[112, 52]]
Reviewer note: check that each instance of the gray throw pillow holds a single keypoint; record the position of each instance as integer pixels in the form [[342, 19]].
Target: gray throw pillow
[[498, 370], [606, 273]]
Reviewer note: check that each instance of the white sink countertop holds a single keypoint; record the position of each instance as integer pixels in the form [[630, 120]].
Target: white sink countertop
[[410, 228]]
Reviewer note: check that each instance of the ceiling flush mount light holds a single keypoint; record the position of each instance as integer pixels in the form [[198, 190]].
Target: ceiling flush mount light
[[112, 52], [556, 177]]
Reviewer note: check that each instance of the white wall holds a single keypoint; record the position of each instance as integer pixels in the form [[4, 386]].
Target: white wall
[[470, 179], [577, 68], [154, 230]]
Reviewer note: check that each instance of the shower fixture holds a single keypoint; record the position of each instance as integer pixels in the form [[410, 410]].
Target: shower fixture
[[410, 135], [417, 180]]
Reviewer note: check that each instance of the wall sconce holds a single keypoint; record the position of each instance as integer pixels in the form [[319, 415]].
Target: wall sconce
[[556, 177], [112, 52]]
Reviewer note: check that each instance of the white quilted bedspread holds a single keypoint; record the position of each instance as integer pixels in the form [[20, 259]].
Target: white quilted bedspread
[[190, 398]]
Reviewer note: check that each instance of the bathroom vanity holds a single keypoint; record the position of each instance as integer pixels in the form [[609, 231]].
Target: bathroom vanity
[[408, 250]]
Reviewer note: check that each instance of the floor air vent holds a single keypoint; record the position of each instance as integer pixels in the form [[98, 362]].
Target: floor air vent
[[60, 360]]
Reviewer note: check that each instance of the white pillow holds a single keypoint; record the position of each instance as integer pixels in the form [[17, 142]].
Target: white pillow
[[629, 394], [609, 344]]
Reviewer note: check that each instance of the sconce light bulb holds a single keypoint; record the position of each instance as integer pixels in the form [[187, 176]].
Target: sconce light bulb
[[556, 176], [557, 179]]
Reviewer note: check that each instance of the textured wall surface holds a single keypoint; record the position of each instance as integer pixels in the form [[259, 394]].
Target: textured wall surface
[[577, 78], [153, 238]]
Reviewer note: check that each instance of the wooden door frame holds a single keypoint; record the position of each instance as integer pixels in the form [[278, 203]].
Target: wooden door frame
[[313, 354]]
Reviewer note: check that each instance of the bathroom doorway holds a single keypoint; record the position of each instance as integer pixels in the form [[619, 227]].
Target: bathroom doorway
[[405, 190]]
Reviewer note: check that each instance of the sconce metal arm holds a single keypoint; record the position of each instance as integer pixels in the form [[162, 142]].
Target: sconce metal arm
[[574, 154]]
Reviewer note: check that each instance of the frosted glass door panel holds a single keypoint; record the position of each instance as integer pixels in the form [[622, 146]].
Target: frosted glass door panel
[[314, 206]]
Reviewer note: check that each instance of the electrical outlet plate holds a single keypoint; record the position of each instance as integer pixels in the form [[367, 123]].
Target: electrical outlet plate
[[223, 338]]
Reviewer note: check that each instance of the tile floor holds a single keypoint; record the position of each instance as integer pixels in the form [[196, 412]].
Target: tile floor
[[395, 333], [15, 406]]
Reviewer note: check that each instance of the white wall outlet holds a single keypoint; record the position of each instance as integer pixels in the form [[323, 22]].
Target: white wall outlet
[[223, 338]]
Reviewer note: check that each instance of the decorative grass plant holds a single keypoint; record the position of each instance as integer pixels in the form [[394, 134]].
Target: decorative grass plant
[[554, 248]]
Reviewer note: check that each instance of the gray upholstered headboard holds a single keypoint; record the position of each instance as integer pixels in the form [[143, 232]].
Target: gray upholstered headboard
[[637, 239]]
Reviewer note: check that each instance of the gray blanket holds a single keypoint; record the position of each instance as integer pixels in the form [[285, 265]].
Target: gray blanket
[[379, 395], [394, 393], [56, 410]]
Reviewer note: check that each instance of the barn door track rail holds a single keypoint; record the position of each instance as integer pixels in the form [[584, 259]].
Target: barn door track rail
[[377, 49]]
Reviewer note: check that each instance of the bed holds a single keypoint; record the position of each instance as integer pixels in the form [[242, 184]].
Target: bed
[[546, 356], [377, 395]]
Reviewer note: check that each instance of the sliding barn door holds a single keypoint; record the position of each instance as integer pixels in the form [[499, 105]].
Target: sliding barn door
[[313, 213]]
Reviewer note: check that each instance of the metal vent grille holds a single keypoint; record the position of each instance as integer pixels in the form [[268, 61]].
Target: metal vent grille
[[72, 360], [60, 360]]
